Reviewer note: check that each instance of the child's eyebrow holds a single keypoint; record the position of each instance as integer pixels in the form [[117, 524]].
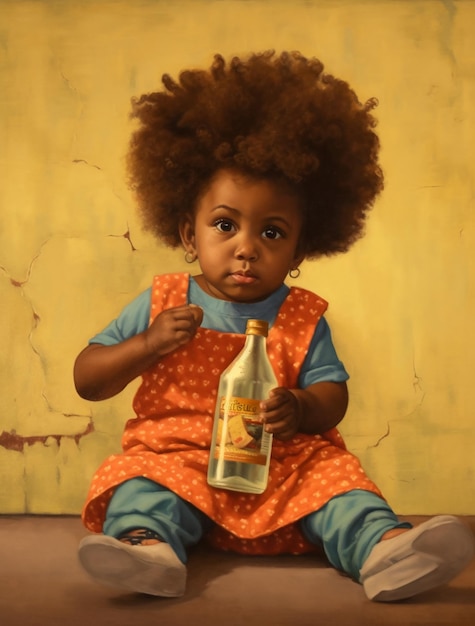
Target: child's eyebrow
[[225, 206]]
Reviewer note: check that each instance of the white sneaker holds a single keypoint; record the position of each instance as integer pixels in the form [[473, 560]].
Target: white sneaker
[[420, 559], [152, 569]]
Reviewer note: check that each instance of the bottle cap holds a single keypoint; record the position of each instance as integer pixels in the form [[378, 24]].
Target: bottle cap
[[257, 327]]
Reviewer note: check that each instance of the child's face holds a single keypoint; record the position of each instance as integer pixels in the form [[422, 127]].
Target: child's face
[[245, 233]]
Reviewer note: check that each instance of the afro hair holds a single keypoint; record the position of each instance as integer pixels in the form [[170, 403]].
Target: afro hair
[[267, 116]]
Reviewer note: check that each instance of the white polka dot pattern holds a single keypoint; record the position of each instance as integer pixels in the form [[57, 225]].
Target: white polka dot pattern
[[169, 439]]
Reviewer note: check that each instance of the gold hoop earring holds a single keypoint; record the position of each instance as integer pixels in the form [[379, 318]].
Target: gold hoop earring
[[190, 257], [294, 272]]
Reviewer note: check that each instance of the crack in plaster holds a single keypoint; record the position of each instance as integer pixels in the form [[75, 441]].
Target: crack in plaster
[[12, 441], [418, 406], [84, 162], [386, 434], [127, 236], [90, 427], [418, 388], [20, 283], [417, 382], [401, 480], [69, 84], [56, 58], [114, 192], [447, 29], [35, 316]]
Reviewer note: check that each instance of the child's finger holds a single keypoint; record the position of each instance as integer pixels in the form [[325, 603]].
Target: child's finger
[[184, 311], [277, 397], [197, 313]]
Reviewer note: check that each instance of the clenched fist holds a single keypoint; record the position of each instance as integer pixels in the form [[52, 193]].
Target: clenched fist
[[173, 328]]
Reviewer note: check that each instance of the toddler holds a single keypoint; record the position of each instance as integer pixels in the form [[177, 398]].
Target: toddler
[[251, 167]]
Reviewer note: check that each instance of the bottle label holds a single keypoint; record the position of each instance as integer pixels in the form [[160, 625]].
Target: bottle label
[[239, 434]]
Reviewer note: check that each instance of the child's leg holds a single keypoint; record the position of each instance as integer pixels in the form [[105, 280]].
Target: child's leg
[[349, 526], [153, 568], [141, 503], [357, 531]]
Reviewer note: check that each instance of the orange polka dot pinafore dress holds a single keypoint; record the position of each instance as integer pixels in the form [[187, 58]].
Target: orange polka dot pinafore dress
[[169, 439]]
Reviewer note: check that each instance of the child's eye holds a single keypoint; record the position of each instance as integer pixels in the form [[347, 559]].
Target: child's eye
[[271, 232], [224, 225]]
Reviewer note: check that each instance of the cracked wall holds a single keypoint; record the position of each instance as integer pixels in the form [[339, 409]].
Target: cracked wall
[[72, 251]]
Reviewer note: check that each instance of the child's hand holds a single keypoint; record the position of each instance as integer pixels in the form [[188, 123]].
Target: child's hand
[[173, 328], [281, 414]]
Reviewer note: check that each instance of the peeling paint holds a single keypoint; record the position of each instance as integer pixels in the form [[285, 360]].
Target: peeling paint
[[12, 441]]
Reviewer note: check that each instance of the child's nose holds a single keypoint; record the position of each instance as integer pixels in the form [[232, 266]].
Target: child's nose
[[246, 248]]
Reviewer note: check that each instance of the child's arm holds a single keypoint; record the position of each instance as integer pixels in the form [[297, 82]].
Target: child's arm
[[101, 372], [313, 410]]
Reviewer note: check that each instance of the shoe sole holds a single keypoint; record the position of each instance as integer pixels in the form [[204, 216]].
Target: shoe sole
[[153, 570], [425, 557]]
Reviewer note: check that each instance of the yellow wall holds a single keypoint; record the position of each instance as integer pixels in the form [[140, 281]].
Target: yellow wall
[[402, 301]]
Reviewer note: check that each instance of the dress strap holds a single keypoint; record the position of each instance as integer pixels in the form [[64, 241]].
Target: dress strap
[[168, 291], [292, 332]]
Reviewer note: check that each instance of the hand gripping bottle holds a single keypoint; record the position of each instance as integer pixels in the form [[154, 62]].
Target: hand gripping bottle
[[240, 447]]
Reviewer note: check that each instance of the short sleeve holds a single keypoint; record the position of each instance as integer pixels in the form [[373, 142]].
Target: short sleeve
[[133, 320], [322, 363]]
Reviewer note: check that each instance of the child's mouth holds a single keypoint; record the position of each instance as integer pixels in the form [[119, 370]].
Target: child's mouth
[[243, 279]]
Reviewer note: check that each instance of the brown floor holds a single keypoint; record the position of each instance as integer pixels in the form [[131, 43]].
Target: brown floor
[[42, 584]]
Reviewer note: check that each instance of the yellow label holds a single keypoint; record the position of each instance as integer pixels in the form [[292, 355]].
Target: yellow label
[[239, 431]]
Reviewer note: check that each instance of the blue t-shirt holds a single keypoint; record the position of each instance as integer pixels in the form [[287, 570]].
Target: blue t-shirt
[[321, 363]]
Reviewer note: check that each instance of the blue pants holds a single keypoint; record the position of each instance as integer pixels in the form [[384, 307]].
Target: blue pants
[[347, 527]]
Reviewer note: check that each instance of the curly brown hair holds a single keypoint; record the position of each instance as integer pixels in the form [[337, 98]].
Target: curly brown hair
[[269, 117]]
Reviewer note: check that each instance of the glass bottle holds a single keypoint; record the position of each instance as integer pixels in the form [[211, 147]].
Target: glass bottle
[[240, 447]]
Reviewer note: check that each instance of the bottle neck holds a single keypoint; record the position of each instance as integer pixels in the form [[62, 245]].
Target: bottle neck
[[254, 338], [256, 344], [255, 360]]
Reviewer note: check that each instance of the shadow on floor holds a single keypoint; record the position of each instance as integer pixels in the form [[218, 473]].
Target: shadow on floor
[[42, 584]]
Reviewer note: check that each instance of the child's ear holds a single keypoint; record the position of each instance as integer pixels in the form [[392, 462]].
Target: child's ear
[[187, 233]]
